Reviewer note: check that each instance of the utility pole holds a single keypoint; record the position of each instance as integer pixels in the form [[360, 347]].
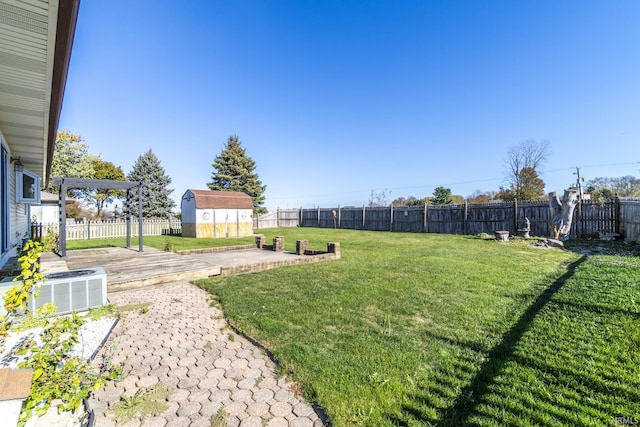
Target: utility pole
[[579, 181]]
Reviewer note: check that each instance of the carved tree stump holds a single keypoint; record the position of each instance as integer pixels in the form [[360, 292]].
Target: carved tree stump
[[562, 212]]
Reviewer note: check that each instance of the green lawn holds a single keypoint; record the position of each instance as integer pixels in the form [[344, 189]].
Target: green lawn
[[424, 329], [177, 243]]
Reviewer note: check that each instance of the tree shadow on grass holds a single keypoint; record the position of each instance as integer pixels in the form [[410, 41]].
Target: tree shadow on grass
[[470, 396]]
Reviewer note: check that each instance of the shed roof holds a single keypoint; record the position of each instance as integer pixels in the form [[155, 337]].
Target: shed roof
[[47, 198], [212, 199]]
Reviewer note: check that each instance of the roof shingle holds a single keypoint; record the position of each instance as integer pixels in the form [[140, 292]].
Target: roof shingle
[[213, 199]]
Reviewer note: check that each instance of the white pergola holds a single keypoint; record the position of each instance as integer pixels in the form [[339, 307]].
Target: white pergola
[[66, 184]]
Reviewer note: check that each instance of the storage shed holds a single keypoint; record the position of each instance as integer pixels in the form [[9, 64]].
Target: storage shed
[[208, 213]]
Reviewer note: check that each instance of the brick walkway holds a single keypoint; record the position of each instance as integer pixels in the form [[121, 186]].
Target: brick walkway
[[185, 344]]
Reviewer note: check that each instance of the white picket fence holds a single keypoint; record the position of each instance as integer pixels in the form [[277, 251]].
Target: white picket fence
[[86, 230]]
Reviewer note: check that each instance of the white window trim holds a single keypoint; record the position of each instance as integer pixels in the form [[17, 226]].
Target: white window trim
[[5, 244], [20, 196]]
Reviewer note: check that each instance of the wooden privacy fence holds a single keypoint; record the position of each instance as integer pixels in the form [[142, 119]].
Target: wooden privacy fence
[[279, 218], [630, 219], [109, 229], [620, 216]]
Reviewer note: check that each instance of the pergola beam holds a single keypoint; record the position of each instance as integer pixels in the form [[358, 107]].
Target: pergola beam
[[107, 184]]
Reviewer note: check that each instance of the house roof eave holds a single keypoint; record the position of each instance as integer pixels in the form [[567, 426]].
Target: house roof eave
[[66, 27]]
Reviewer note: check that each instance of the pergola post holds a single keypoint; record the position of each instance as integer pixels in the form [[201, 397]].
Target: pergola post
[[139, 216], [62, 215], [127, 217]]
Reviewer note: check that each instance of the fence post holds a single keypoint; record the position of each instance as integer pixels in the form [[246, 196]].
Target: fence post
[[391, 222], [617, 219], [363, 217], [318, 216], [465, 226], [425, 226], [88, 229], [277, 217], [515, 216], [339, 215], [580, 227]]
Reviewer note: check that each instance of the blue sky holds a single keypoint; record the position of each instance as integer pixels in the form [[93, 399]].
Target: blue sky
[[333, 99]]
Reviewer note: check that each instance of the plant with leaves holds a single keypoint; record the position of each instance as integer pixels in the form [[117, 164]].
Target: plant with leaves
[[28, 282], [608, 188], [101, 197], [156, 202], [235, 171], [55, 374], [71, 158], [523, 164], [531, 187], [442, 196]]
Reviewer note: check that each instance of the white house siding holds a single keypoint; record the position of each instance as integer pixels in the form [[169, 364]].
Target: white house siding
[[46, 214], [5, 211], [18, 212]]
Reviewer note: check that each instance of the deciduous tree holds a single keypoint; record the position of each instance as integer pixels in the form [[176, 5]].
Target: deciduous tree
[[156, 202], [235, 171], [101, 197], [608, 188], [71, 158], [531, 187], [481, 196], [378, 198], [526, 156]]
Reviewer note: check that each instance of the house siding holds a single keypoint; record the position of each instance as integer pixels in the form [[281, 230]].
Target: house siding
[[18, 213]]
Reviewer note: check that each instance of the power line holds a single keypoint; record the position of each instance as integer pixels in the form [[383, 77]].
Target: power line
[[317, 197]]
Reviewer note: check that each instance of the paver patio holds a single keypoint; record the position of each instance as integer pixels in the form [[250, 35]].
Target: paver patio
[[185, 344]]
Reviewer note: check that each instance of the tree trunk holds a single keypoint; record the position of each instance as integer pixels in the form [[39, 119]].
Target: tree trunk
[[562, 212]]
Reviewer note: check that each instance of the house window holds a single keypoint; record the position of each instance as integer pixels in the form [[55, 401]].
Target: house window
[[4, 199], [27, 187]]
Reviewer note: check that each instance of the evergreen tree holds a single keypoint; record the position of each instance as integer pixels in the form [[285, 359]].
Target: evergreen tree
[[156, 202], [234, 171], [441, 196]]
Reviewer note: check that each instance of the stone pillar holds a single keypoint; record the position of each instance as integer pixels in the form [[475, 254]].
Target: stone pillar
[[334, 248], [260, 239], [301, 246], [278, 244]]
